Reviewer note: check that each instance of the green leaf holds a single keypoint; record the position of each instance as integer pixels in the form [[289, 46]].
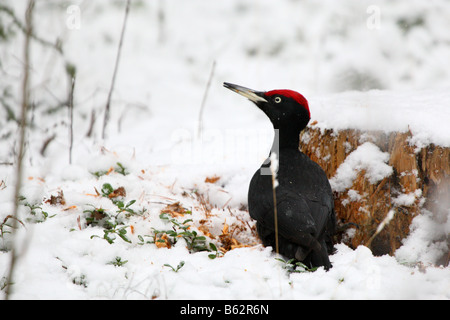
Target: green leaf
[[130, 203], [180, 265], [119, 204], [171, 233], [107, 237], [121, 169], [124, 237], [107, 189], [71, 69], [291, 261], [168, 265], [164, 216]]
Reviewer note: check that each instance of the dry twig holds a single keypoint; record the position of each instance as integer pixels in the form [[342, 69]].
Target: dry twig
[[71, 119], [119, 50], [205, 95], [23, 124]]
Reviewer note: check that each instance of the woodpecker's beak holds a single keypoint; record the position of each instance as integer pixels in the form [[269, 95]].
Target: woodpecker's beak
[[252, 95]]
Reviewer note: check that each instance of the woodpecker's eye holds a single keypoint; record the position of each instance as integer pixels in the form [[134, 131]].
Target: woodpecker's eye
[[277, 99]]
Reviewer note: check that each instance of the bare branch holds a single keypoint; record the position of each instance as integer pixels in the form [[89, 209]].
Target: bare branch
[[91, 125], [23, 125], [108, 102], [205, 95], [46, 144], [71, 119]]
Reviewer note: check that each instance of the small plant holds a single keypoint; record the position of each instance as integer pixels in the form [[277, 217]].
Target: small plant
[[195, 242], [125, 207], [36, 211], [213, 247], [179, 266], [116, 196], [112, 223], [142, 240], [106, 190], [293, 266], [113, 228], [119, 168], [80, 280], [167, 238], [180, 230], [118, 262], [99, 173], [96, 216], [5, 224]]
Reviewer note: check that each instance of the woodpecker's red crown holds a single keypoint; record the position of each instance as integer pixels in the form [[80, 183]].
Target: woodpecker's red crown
[[291, 94]]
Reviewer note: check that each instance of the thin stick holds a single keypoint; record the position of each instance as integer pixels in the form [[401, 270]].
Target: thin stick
[[274, 168], [161, 22], [381, 226], [205, 95], [92, 123], [275, 214], [23, 124], [119, 50], [71, 119], [46, 143], [274, 163]]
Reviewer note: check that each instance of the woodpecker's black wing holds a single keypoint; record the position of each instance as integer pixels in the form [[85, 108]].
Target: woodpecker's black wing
[[304, 208]]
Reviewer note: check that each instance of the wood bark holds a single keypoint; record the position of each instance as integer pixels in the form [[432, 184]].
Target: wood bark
[[422, 172]]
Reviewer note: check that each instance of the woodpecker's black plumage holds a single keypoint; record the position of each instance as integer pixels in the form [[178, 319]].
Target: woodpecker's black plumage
[[305, 206]]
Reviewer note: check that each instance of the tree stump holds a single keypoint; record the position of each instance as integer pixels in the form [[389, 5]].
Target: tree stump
[[379, 214]]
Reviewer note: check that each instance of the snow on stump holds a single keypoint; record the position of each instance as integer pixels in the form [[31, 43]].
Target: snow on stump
[[380, 180]]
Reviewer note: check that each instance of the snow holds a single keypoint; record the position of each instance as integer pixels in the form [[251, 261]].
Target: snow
[[427, 239], [383, 73], [425, 113], [407, 199], [366, 157]]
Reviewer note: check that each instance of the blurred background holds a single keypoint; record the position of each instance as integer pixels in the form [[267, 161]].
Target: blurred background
[[171, 46]]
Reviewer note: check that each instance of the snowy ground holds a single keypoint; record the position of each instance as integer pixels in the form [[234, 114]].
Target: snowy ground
[[333, 53]]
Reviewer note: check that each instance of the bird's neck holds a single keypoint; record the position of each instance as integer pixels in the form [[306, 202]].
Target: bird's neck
[[286, 139]]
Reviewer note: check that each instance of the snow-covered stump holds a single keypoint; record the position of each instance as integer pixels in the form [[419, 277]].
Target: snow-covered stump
[[381, 182]]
